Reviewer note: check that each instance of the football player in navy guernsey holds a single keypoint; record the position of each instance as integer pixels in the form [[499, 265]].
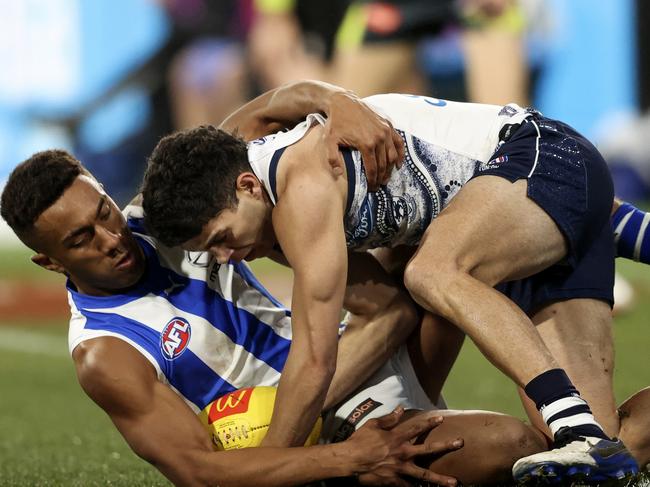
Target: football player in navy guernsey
[[156, 334], [488, 196]]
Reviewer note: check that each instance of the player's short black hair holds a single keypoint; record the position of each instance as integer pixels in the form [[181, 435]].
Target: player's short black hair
[[35, 185], [190, 177]]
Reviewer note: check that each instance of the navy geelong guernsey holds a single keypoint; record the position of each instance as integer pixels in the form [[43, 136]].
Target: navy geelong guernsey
[[445, 144]]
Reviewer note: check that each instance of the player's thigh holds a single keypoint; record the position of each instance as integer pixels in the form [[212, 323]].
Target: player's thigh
[[492, 443], [492, 230], [635, 425], [578, 332]]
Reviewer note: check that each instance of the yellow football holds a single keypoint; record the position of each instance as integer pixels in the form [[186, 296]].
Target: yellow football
[[241, 418]]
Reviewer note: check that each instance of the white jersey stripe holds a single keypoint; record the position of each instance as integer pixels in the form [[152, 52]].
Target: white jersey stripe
[[229, 360], [639, 239], [539, 135]]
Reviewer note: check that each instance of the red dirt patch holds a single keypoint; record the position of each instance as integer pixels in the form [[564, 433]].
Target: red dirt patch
[[32, 300]]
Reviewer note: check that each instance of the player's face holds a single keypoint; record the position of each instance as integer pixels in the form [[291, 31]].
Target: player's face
[[84, 235], [241, 233]]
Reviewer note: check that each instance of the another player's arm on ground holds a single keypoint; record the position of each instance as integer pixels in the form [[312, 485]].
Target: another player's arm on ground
[[308, 222], [163, 430], [381, 317]]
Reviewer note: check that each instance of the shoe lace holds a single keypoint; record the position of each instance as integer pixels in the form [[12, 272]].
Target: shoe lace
[[566, 435]]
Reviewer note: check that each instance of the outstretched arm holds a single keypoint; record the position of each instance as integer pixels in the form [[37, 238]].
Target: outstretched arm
[[161, 429], [351, 123]]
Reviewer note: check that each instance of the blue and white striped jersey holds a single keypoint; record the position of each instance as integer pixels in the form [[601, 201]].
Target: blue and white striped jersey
[[208, 329], [445, 144]]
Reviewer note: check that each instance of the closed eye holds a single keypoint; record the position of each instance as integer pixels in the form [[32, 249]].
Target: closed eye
[[216, 240], [106, 213], [81, 240]]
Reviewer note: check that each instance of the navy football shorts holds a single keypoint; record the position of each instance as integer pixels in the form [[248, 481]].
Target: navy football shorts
[[568, 178]]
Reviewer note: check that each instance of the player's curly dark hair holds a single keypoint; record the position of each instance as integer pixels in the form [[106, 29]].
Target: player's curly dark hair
[[191, 177], [35, 185]]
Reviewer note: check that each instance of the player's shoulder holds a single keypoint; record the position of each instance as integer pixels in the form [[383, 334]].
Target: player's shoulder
[[308, 175], [307, 155], [105, 357], [108, 367]]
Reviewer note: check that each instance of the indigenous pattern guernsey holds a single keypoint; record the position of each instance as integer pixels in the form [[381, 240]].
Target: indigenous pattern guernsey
[[207, 329], [446, 144]]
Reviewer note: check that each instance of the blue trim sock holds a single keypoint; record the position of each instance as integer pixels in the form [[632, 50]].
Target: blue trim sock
[[632, 233], [560, 404]]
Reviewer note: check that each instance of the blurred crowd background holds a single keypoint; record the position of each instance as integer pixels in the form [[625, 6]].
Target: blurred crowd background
[[106, 79]]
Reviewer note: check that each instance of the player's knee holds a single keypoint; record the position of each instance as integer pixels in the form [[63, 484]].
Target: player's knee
[[522, 438], [635, 426], [637, 442], [511, 440], [505, 438], [430, 284]]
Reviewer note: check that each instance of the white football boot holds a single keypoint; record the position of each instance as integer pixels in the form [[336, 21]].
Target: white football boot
[[577, 458]]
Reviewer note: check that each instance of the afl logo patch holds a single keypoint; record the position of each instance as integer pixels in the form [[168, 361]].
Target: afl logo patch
[[175, 338]]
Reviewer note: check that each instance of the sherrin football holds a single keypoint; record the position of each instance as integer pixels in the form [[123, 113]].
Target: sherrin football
[[241, 418]]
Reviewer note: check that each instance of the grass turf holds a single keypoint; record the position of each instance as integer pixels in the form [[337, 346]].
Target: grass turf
[[51, 434]]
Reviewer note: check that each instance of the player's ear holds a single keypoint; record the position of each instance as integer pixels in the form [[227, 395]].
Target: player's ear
[[248, 182], [46, 263]]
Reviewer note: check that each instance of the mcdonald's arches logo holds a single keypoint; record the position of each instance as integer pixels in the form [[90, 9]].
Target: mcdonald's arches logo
[[235, 402]]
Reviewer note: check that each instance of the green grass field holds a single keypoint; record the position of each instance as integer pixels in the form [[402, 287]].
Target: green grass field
[[51, 434]]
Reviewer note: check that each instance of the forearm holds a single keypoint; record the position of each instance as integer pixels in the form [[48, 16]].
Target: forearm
[[280, 108], [381, 316], [299, 400], [311, 363], [263, 467], [163, 430], [367, 343], [183, 452], [292, 102]]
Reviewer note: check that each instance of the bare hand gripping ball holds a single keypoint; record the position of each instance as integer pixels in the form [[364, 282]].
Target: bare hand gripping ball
[[240, 419]]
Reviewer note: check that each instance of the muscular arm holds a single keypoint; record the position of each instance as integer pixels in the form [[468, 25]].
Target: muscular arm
[[308, 222], [161, 429], [381, 316], [351, 123], [281, 108]]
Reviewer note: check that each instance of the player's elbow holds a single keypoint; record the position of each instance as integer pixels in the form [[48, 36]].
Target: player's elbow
[[371, 300], [188, 468]]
